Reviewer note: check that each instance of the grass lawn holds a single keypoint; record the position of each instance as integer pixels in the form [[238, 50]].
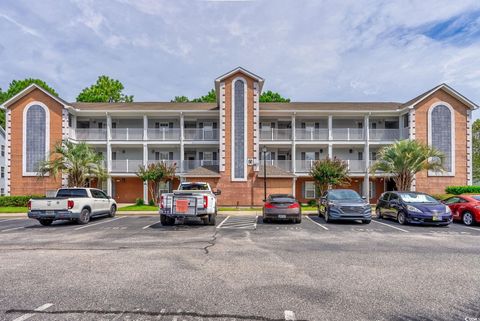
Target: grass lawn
[[11, 209], [139, 208]]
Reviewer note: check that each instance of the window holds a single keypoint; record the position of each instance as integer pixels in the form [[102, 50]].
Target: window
[[2, 175], [239, 131], [452, 200], [3, 150], [406, 120], [2, 191], [440, 134], [72, 192], [35, 137], [310, 190]]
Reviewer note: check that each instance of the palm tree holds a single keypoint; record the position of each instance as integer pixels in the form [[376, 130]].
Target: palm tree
[[329, 172], [404, 159], [79, 161]]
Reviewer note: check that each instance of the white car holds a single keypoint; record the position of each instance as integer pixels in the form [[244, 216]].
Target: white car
[[190, 200], [72, 204]]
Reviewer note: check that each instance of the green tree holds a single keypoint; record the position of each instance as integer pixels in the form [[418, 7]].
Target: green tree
[[79, 161], [180, 99], [476, 150], [273, 97], [329, 172], [404, 159], [105, 90], [210, 97], [17, 86], [154, 174]]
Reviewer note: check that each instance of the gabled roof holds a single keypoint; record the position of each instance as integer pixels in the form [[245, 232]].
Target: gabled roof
[[203, 171], [143, 106], [234, 71], [412, 102], [274, 171], [30, 89]]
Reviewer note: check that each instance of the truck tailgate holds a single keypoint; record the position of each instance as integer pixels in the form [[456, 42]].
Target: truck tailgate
[[49, 204], [184, 204]]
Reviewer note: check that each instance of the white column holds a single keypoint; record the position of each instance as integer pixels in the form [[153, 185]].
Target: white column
[[294, 187], [182, 149], [109, 127], [330, 127], [145, 127], [109, 187], [366, 181], [366, 125], [294, 148], [330, 150]]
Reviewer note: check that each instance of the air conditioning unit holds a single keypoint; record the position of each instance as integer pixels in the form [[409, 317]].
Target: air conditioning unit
[[250, 161]]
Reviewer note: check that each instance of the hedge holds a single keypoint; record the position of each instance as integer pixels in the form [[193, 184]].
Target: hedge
[[457, 190], [16, 201]]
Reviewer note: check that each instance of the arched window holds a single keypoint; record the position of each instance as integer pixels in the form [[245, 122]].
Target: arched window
[[35, 137], [441, 134], [239, 117]]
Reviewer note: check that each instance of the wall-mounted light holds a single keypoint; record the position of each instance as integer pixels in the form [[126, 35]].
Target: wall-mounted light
[[350, 151], [321, 150]]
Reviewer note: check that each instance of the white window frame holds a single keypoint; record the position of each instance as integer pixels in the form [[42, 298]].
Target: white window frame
[[309, 189], [24, 138], [232, 142], [452, 133]]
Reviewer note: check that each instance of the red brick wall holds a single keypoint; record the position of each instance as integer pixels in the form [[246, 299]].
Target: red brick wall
[[127, 189], [27, 185]]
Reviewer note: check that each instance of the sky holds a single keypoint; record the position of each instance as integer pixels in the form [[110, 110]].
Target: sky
[[349, 50]]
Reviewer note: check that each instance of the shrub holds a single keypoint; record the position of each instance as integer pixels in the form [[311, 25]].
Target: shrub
[[457, 190], [151, 203], [312, 203], [139, 202], [442, 197], [17, 201]]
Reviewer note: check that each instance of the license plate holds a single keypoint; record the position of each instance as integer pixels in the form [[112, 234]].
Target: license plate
[[50, 213], [436, 218], [282, 216], [181, 206]]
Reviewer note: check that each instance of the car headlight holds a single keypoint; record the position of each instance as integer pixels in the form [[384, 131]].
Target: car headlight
[[411, 208], [448, 210]]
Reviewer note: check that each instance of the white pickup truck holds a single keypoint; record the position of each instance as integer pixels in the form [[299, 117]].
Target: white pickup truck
[[72, 204], [191, 200]]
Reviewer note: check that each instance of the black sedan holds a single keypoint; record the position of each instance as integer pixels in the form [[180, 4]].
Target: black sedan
[[344, 204], [282, 207]]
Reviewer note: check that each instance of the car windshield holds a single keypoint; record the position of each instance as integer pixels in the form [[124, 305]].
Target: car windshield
[[417, 198], [344, 195], [282, 199], [475, 197], [194, 187], [71, 192]]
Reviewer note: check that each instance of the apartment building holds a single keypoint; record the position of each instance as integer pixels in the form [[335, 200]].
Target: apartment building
[[227, 143]]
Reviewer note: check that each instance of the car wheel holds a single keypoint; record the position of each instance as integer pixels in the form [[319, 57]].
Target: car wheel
[[167, 221], [326, 216], [366, 221], [210, 219], [379, 213], [402, 220], [298, 220], [467, 218], [266, 220], [45, 222], [84, 216], [113, 210]]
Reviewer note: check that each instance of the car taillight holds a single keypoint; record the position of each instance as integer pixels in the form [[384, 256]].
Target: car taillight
[[161, 201], [205, 201], [269, 205], [294, 205], [70, 204], [29, 205]]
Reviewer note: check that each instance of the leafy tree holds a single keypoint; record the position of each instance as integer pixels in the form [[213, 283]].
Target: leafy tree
[[105, 90], [79, 161], [17, 86], [404, 159], [156, 173], [273, 97], [210, 97], [180, 99], [476, 150], [329, 172]]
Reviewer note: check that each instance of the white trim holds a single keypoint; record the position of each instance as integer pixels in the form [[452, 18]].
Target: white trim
[[232, 128], [452, 137], [24, 137], [7, 151], [221, 135], [469, 149], [451, 91], [256, 126], [29, 89]]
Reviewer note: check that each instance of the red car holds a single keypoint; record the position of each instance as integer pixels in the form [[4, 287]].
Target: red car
[[465, 208]]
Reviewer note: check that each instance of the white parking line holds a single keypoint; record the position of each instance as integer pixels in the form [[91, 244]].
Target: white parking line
[[12, 219], [29, 315], [324, 227], [397, 228], [89, 225], [221, 223], [145, 227], [472, 228], [289, 315], [12, 229]]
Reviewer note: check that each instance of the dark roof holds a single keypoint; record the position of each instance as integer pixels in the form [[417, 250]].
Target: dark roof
[[332, 106], [205, 171], [145, 106], [274, 172]]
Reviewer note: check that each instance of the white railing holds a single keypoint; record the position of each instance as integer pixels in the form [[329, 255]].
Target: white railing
[[163, 133], [384, 134], [311, 134], [304, 166], [357, 166], [89, 133], [286, 165], [127, 134], [348, 133], [276, 134], [200, 134], [192, 164], [126, 166]]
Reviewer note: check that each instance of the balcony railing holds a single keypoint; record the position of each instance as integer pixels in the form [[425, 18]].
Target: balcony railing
[[89, 133], [126, 166], [311, 134], [189, 165], [163, 133], [348, 133], [127, 133], [285, 165], [384, 134], [356, 166], [276, 134], [304, 166], [200, 134]]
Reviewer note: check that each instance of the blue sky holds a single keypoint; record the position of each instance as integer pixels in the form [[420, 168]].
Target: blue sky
[[358, 50]]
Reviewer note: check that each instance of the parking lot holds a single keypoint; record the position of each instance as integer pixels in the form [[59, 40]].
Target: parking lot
[[132, 268]]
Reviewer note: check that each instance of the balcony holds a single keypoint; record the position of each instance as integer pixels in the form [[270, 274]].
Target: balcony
[[127, 133], [276, 134], [285, 165], [163, 133], [384, 134], [202, 134], [354, 166], [126, 166], [348, 134], [312, 134], [89, 133], [189, 165]]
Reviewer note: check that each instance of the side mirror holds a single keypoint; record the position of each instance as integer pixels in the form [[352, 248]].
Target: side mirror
[[364, 197], [218, 192]]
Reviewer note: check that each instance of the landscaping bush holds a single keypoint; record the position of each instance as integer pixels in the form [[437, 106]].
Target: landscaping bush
[[17, 201], [442, 197], [151, 203], [457, 190], [312, 203], [139, 202]]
